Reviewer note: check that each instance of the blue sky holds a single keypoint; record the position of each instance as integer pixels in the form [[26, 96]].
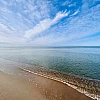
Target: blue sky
[[50, 22]]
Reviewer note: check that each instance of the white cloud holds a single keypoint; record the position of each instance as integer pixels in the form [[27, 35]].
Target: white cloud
[[9, 35], [84, 25], [4, 29], [72, 33], [67, 2], [59, 16], [75, 13], [45, 24], [30, 22], [48, 40]]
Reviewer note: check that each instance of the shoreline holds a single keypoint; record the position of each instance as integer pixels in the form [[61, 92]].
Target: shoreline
[[93, 96], [28, 85]]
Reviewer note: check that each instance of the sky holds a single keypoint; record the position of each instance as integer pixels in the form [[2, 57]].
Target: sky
[[50, 22]]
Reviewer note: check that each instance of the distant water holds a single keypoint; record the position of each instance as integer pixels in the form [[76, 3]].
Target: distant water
[[83, 61]]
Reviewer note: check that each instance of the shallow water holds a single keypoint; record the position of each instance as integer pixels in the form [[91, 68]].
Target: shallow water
[[84, 62]]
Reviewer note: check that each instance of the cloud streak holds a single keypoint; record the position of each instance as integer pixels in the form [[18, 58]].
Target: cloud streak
[[45, 24]]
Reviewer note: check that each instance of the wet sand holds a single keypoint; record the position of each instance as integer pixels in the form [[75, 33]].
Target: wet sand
[[28, 86]]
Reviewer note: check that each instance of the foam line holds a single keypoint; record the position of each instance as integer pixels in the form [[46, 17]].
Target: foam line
[[62, 81]]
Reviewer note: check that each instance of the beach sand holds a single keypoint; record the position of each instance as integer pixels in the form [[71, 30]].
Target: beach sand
[[28, 86]]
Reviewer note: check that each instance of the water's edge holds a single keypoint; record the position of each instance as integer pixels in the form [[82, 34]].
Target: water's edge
[[90, 88]]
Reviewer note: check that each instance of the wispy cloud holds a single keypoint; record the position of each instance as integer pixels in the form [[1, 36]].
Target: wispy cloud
[[45, 24], [9, 34]]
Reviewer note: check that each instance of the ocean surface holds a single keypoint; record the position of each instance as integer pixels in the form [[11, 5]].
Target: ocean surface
[[82, 61]]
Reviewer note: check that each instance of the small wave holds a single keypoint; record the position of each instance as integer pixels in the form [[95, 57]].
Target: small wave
[[60, 78]]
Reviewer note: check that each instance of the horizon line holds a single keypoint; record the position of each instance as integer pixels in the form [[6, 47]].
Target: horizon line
[[51, 46]]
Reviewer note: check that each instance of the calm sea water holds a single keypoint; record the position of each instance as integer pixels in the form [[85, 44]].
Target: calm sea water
[[78, 61]]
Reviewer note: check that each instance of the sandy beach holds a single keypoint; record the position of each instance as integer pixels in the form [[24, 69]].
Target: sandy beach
[[28, 86]]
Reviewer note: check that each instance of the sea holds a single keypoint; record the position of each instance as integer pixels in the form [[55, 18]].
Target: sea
[[83, 61]]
